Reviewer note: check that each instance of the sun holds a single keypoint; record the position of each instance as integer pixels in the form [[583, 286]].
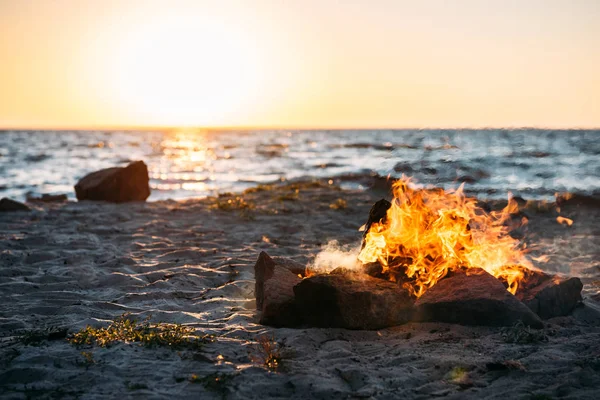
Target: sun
[[185, 72]]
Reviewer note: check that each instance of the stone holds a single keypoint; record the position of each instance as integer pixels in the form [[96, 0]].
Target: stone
[[48, 198], [116, 185], [353, 301], [274, 291], [7, 205], [291, 265], [550, 296], [474, 299]]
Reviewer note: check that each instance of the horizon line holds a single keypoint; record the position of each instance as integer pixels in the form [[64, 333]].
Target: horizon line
[[281, 127]]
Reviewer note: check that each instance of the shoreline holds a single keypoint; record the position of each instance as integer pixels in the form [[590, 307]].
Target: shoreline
[[69, 265]]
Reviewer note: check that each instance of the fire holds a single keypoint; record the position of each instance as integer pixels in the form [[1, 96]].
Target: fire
[[564, 221], [429, 233]]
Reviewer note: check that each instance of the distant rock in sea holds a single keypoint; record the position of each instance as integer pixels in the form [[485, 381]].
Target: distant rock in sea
[[47, 198], [116, 185]]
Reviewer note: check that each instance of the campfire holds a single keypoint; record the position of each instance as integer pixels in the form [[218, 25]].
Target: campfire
[[427, 234], [428, 255]]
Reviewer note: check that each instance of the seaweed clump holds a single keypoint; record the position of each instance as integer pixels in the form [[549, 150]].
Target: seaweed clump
[[126, 329]]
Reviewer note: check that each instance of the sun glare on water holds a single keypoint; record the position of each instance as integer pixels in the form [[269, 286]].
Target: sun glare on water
[[184, 72]]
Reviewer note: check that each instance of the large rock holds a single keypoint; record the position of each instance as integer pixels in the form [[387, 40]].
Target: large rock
[[550, 296], [7, 204], [474, 299], [274, 290], [352, 301], [117, 185]]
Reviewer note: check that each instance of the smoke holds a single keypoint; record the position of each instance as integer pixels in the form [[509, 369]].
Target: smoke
[[333, 255]]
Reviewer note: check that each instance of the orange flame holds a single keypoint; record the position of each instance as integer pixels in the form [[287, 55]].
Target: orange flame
[[428, 233], [564, 221]]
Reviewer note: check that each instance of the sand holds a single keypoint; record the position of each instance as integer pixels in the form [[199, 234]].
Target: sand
[[191, 262]]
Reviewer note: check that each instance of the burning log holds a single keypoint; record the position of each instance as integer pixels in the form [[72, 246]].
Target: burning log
[[343, 299], [376, 215], [274, 290], [476, 298], [550, 296]]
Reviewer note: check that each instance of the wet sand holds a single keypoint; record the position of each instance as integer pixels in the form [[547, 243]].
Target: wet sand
[[191, 262]]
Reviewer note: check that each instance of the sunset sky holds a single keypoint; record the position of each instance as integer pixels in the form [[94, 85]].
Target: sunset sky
[[354, 63]]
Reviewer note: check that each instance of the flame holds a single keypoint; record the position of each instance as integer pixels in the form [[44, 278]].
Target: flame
[[564, 221], [428, 233]]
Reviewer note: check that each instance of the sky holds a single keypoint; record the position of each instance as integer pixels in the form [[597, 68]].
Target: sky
[[309, 63]]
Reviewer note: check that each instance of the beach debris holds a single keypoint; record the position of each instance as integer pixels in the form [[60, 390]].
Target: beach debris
[[274, 290], [47, 198], [116, 185], [343, 299], [473, 297], [7, 205], [550, 296]]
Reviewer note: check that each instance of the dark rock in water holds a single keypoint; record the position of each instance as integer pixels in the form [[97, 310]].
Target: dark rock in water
[[403, 167], [117, 185], [352, 301], [7, 204], [550, 296], [475, 299], [48, 198], [274, 291]]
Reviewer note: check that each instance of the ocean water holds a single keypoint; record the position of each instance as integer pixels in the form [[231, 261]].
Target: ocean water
[[532, 163]]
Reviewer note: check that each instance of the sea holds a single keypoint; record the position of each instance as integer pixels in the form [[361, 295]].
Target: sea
[[189, 163]]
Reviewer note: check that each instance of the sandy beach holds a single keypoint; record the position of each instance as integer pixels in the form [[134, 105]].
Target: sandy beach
[[190, 262]]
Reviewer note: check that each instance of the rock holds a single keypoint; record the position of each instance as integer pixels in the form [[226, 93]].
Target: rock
[[474, 299], [352, 301], [274, 291], [7, 204], [117, 185], [550, 296], [293, 266], [48, 198]]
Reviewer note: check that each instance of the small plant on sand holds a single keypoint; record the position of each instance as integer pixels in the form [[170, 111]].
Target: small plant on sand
[[520, 333], [339, 204], [267, 352], [128, 330]]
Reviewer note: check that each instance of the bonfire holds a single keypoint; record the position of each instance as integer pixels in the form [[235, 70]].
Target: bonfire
[[426, 255], [427, 234]]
